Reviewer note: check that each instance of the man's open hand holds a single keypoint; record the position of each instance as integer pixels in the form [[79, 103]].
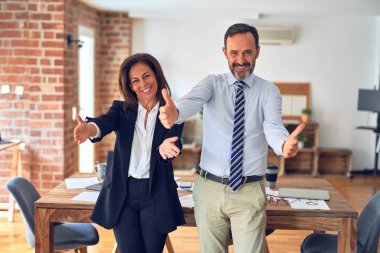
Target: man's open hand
[[290, 147]]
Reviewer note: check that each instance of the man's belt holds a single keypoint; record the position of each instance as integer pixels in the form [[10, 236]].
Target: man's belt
[[224, 180]]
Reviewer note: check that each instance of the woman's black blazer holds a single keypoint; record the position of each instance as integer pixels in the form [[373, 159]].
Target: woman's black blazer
[[162, 187]]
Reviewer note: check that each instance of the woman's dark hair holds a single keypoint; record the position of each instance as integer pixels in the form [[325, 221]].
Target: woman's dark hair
[[241, 28], [130, 98]]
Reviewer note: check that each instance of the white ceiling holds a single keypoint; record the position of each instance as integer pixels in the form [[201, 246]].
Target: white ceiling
[[243, 9]]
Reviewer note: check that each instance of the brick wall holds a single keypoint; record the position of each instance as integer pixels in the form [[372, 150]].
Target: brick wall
[[115, 47], [35, 55], [18, 58]]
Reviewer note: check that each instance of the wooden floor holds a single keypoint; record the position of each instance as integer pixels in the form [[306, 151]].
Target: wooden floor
[[185, 240]]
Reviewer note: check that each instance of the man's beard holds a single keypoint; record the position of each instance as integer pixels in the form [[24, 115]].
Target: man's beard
[[241, 76]]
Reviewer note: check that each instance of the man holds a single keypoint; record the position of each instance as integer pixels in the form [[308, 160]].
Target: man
[[242, 115]]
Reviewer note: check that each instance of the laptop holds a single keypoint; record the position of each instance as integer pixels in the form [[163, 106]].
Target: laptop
[[303, 193], [98, 186]]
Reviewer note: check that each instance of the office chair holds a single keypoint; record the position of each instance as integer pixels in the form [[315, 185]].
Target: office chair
[[368, 233], [66, 235]]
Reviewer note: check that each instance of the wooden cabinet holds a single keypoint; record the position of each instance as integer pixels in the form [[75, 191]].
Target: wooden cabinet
[[314, 160], [306, 159], [335, 161], [189, 158]]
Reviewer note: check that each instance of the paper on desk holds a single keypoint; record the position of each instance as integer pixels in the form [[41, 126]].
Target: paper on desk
[[271, 192], [80, 183], [187, 201], [91, 196], [308, 204]]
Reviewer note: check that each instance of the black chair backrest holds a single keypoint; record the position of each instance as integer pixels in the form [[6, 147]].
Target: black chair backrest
[[369, 226], [25, 195]]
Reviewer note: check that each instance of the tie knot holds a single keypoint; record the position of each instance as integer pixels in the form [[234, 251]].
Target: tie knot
[[240, 85]]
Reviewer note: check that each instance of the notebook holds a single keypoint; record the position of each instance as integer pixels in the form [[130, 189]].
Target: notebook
[[95, 187], [98, 186], [303, 193], [5, 142]]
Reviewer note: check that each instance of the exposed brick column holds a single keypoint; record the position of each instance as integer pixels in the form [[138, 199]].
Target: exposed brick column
[[115, 47], [35, 55], [47, 95], [17, 60]]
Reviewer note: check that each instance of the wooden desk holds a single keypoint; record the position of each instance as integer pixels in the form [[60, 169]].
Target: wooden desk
[[56, 206], [341, 217], [15, 146]]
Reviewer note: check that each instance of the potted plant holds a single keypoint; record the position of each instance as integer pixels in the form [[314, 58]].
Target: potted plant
[[301, 140], [201, 112], [306, 115]]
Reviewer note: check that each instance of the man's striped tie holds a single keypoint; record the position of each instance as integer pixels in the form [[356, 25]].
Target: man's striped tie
[[235, 179]]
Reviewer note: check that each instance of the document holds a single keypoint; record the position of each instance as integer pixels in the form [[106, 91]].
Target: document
[[311, 204], [91, 196], [80, 183], [271, 192], [187, 201]]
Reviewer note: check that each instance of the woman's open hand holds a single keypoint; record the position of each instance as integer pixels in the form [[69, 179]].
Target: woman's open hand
[[168, 149], [82, 131]]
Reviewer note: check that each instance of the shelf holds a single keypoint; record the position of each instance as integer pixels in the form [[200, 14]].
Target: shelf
[[306, 159]]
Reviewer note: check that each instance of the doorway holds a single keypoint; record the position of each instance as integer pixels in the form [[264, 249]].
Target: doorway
[[86, 93]]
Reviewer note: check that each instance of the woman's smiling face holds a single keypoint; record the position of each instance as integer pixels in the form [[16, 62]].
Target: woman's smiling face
[[143, 83]]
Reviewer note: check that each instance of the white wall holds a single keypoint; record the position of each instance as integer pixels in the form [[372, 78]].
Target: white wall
[[337, 55]]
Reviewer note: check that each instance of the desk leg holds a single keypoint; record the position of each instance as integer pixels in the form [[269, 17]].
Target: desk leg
[[281, 169], [347, 237], [16, 170], [115, 248], [168, 245], [315, 172], [44, 231]]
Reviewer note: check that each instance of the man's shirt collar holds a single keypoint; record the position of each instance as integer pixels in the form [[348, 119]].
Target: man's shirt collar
[[231, 79]]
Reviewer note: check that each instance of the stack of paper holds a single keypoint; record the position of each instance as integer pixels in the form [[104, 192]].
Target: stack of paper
[[80, 182], [87, 196], [271, 192], [187, 201]]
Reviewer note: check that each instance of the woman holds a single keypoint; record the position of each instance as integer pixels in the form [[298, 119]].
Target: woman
[[139, 196]]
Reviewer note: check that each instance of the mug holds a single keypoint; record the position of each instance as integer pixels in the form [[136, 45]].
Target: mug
[[100, 170], [271, 176]]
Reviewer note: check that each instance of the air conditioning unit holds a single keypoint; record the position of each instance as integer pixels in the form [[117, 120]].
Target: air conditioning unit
[[275, 35]]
